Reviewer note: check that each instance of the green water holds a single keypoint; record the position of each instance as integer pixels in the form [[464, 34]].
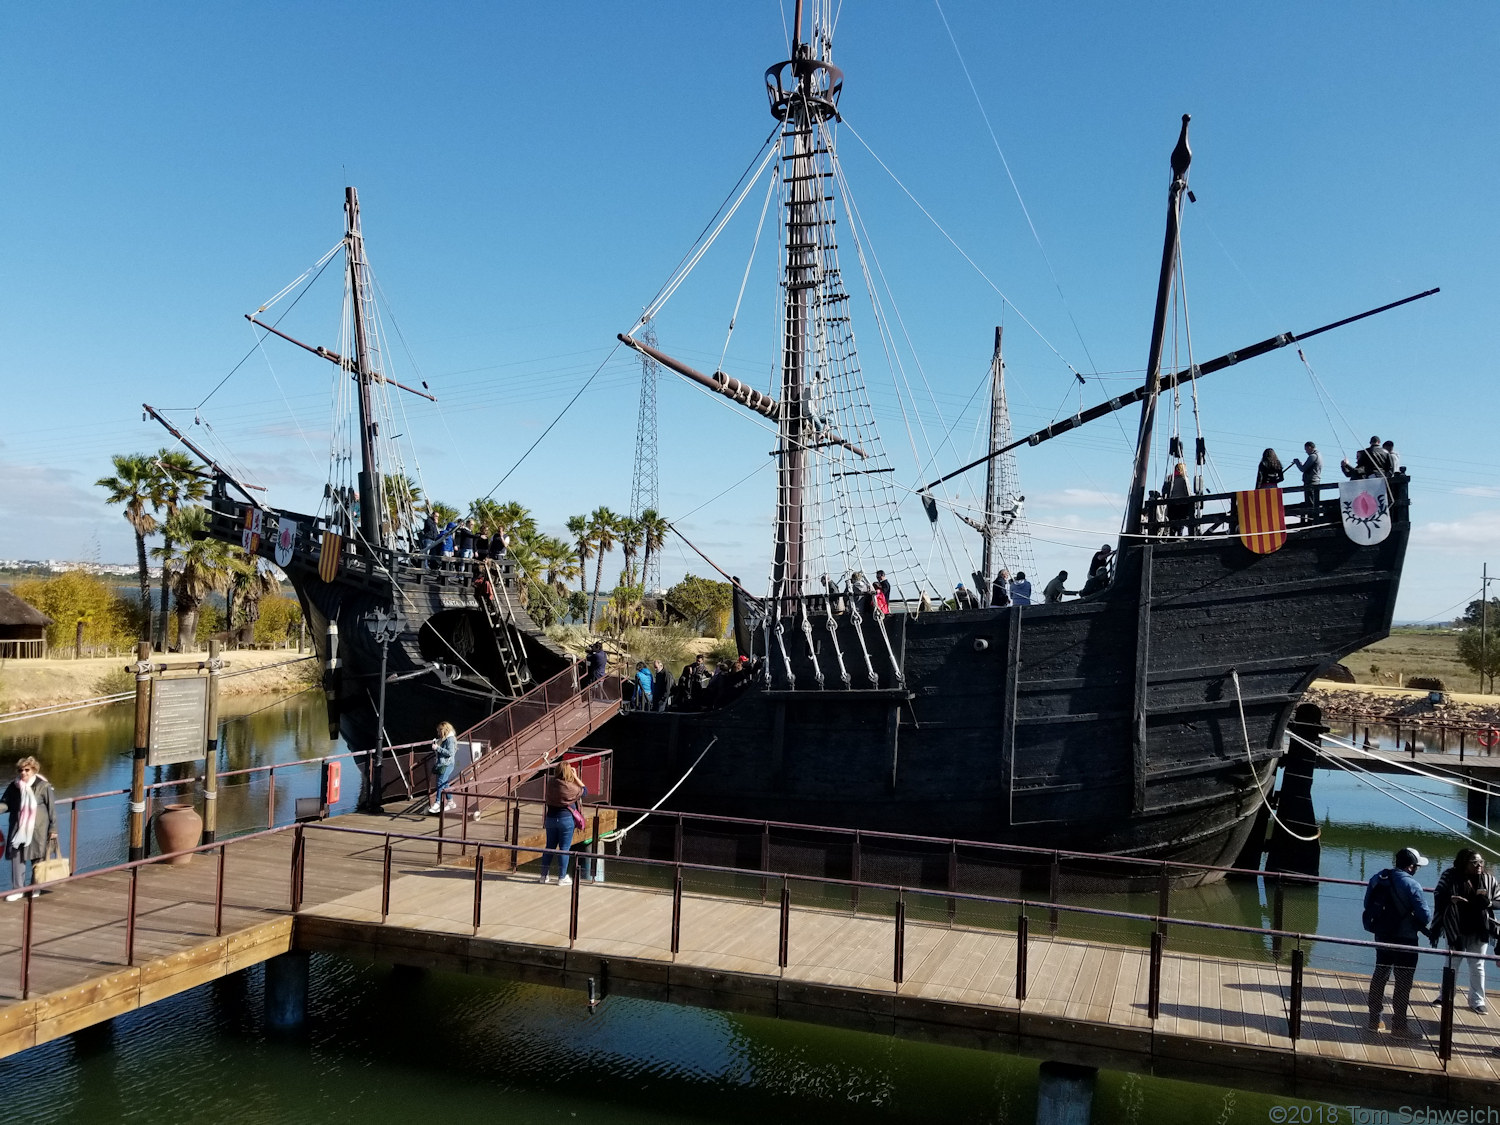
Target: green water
[[395, 1046], [383, 1046]]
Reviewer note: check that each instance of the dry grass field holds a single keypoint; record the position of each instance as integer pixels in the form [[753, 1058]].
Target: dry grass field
[[1413, 652]]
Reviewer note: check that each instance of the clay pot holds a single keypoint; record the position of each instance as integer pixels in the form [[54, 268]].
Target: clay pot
[[178, 827]]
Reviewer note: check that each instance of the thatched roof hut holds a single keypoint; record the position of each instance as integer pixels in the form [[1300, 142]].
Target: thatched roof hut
[[23, 627]]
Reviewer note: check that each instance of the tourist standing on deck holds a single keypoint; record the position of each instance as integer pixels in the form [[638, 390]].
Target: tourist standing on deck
[[1395, 912], [643, 695], [1020, 589], [563, 788], [1311, 464], [1000, 590], [444, 751], [661, 686], [1464, 906], [32, 823], [1053, 592], [1269, 473]]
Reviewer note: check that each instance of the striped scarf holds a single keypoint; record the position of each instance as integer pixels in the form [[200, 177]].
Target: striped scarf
[[26, 818]]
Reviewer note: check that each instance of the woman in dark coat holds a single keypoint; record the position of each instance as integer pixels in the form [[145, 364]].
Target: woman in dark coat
[[31, 823], [1269, 472]]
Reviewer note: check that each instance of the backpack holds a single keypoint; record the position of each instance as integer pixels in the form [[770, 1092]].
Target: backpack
[[1382, 913]]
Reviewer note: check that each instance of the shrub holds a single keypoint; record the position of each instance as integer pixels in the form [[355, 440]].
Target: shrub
[[704, 604], [669, 644], [727, 650], [1427, 683], [108, 619], [570, 638], [278, 620], [114, 682]]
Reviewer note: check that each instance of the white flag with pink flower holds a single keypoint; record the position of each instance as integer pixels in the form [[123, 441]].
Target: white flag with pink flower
[[1366, 508]]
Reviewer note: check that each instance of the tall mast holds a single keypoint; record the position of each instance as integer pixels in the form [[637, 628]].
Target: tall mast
[[804, 94], [370, 500], [1182, 156], [998, 423]]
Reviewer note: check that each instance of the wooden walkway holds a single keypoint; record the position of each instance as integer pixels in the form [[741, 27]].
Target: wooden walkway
[[1220, 1019]]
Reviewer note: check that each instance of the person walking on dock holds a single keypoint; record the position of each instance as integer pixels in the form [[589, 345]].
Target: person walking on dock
[[32, 822], [1395, 911], [563, 787], [1464, 906], [444, 751]]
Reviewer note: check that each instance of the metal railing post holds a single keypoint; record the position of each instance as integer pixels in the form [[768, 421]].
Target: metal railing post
[[677, 841], [1278, 914], [1294, 1015], [677, 912], [952, 880], [515, 833], [900, 959], [385, 881], [765, 858], [26, 923], [442, 819], [129, 917], [219, 895], [73, 837], [1163, 897], [784, 943], [572, 902], [299, 854], [854, 869], [271, 799], [1054, 882], [478, 886], [1023, 929], [1153, 994], [1445, 1021]]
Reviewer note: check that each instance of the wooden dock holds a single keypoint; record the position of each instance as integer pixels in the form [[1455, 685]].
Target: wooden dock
[[899, 964]]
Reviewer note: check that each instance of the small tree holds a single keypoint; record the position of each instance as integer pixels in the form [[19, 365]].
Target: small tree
[[1480, 655], [75, 597], [703, 603]]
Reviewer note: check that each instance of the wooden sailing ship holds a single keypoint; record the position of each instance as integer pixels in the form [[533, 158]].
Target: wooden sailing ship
[[1146, 719]]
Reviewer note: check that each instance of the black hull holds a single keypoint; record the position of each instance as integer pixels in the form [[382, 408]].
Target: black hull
[[1110, 724]]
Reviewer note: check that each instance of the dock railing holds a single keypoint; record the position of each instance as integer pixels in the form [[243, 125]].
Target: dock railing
[[1173, 968]]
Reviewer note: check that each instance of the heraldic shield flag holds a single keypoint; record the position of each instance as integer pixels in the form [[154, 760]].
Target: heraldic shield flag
[[328, 558], [286, 540], [1262, 519], [1366, 508]]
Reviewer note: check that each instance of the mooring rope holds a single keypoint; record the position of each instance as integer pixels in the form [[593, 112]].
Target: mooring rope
[[619, 834]]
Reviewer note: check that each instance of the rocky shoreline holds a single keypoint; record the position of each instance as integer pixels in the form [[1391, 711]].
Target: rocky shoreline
[[1404, 707]]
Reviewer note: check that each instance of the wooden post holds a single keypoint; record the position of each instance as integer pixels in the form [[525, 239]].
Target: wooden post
[[211, 756], [1445, 1017], [142, 740]]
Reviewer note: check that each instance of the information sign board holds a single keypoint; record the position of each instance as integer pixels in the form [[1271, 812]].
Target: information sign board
[[179, 721]]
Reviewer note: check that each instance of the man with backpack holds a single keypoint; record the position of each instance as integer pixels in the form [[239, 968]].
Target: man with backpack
[[1395, 911]]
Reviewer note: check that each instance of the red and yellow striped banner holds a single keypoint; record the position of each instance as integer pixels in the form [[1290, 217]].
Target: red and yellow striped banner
[[1262, 518], [328, 558]]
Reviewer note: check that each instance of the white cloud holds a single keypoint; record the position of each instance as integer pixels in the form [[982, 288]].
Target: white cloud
[[1483, 491], [1482, 529]]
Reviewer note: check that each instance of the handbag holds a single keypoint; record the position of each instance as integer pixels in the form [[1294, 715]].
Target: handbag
[[54, 866], [578, 821]]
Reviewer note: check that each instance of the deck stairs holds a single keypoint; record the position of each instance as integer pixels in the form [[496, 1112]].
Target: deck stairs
[[528, 733]]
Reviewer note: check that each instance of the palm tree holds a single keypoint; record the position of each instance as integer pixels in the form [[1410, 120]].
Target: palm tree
[[206, 565], [486, 516], [559, 560], [629, 531], [516, 520], [654, 528], [403, 499], [603, 526], [251, 582], [578, 528], [134, 486], [178, 481]]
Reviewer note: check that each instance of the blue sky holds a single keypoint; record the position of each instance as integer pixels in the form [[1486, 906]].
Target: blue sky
[[530, 175]]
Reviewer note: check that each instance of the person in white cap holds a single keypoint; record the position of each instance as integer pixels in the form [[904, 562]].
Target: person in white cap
[[1396, 912]]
